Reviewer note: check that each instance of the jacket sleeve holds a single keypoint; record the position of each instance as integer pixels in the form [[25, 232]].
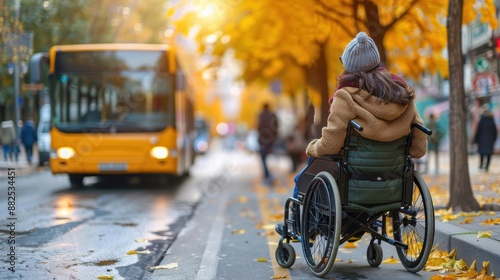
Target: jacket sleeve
[[419, 139], [333, 135], [477, 133]]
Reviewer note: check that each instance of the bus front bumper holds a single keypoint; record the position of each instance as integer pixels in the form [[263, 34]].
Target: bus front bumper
[[115, 166]]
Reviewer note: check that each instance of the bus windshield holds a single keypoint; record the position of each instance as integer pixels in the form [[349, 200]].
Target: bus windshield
[[118, 91]]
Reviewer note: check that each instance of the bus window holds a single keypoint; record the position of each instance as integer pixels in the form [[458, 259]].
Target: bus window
[[127, 101]]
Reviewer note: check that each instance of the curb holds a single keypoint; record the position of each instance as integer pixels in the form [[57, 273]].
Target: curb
[[468, 247]]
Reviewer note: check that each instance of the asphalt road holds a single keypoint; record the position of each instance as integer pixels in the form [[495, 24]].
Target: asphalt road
[[217, 224]]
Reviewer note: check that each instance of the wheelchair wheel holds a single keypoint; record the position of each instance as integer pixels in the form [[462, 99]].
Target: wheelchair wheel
[[415, 227], [285, 255], [374, 254], [321, 224]]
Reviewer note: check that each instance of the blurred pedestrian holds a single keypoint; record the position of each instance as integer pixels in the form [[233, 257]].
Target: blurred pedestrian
[[268, 132], [484, 138], [434, 140], [8, 137], [28, 139]]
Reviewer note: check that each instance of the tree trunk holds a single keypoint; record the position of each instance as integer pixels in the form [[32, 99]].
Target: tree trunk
[[318, 80], [376, 30], [461, 196]]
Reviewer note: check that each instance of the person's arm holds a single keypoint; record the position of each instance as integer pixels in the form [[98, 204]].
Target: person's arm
[[477, 133], [495, 131], [333, 135], [419, 139]]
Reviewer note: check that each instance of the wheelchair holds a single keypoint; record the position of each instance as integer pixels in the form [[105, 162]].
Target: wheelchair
[[370, 187]]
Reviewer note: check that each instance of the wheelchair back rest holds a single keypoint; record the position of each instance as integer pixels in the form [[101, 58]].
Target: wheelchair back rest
[[375, 170]]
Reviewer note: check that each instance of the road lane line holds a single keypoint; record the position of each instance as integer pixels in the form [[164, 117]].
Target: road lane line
[[272, 239], [210, 259]]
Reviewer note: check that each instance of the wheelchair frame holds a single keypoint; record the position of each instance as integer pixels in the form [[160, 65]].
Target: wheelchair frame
[[322, 216]]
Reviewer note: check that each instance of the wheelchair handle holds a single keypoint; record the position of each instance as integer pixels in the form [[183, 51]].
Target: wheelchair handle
[[422, 128], [356, 125]]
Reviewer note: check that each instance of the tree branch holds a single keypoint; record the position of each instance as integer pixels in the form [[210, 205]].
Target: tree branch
[[332, 15], [338, 22], [408, 8]]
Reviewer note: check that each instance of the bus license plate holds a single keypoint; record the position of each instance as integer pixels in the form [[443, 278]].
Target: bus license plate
[[113, 166]]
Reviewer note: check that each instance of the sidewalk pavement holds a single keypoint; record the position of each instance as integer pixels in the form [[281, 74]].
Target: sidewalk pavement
[[460, 233], [21, 166]]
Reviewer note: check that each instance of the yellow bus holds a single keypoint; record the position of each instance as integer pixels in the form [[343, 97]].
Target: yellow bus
[[117, 109]]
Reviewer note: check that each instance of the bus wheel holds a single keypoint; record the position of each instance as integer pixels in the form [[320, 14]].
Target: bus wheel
[[76, 181]]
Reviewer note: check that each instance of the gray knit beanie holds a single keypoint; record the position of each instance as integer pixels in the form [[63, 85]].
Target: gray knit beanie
[[361, 54]]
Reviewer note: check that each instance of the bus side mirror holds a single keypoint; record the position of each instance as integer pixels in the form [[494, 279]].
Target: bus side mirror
[[36, 65]]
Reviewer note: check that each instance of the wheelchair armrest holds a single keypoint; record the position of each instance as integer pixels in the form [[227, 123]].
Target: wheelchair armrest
[[422, 128]]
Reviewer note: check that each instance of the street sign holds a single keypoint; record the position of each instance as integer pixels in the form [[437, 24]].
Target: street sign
[[485, 83], [482, 64]]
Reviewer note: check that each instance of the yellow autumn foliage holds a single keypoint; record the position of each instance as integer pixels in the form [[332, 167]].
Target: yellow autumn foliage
[[445, 262], [280, 40]]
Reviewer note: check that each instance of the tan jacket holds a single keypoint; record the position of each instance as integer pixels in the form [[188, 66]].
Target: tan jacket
[[381, 122]]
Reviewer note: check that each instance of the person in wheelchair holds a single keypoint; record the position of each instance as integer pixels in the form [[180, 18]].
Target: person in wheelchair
[[381, 102]]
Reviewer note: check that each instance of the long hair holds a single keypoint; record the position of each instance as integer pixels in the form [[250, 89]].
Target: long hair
[[379, 83]]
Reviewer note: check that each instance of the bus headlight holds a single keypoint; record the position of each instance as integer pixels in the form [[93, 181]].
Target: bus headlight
[[65, 152], [159, 152]]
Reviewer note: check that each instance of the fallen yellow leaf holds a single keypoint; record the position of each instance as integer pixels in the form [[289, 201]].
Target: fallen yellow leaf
[[279, 277], [350, 245], [390, 260], [261, 260], [243, 199], [267, 227], [472, 214], [452, 253], [491, 222], [473, 265], [484, 234], [485, 267], [166, 266], [435, 262], [141, 240], [133, 252], [460, 265], [239, 231], [104, 277], [468, 274], [467, 221], [277, 217], [433, 268], [450, 217]]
